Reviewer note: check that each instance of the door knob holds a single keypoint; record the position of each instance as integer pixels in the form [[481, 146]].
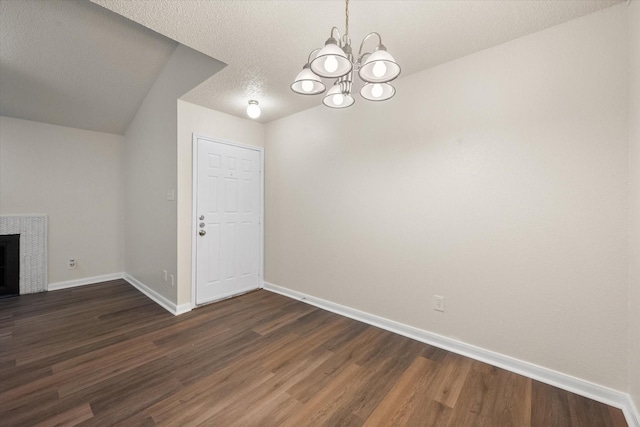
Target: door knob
[[202, 232]]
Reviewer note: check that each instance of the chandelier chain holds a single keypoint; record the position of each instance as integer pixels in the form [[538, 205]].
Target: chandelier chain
[[346, 13]]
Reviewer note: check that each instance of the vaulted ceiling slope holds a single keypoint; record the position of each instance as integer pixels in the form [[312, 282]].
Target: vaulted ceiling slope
[[266, 43], [78, 64], [74, 63]]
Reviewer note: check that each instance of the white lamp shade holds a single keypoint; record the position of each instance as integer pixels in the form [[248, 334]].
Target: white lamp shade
[[380, 67], [307, 83], [331, 62], [335, 98], [377, 91]]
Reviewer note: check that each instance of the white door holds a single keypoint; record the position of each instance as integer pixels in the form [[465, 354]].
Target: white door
[[228, 208]]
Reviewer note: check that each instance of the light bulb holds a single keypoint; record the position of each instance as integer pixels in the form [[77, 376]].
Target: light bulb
[[307, 85], [376, 90], [253, 110], [330, 64], [338, 99], [379, 69]]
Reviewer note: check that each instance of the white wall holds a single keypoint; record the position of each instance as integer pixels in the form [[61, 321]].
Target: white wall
[[151, 170], [205, 122], [634, 216], [73, 176], [498, 180]]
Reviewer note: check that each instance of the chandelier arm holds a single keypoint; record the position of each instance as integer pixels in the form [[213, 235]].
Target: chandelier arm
[[337, 31], [346, 40], [360, 55], [311, 53], [358, 63]]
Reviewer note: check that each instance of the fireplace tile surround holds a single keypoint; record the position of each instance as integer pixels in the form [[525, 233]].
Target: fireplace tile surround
[[33, 249]]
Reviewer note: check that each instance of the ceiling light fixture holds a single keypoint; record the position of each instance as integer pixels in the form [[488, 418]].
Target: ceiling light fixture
[[336, 61], [253, 109]]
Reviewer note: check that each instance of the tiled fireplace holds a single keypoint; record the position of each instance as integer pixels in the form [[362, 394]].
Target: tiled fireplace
[[32, 258]]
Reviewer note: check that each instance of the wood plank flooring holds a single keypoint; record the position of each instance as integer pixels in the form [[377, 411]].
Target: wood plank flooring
[[106, 355]]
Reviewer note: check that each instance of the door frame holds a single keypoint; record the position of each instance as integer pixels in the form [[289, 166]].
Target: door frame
[[194, 209]]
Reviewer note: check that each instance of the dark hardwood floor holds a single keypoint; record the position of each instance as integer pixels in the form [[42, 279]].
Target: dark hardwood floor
[[106, 355]]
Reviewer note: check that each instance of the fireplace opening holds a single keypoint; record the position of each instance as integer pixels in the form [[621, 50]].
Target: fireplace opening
[[9, 265]]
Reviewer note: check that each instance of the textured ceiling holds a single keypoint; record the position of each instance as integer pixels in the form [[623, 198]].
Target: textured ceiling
[[73, 63], [266, 43]]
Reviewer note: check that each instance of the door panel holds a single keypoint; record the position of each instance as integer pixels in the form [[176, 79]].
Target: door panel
[[228, 235]]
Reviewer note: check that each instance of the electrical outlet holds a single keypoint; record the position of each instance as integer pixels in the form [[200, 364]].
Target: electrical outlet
[[165, 274], [172, 283], [438, 303], [72, 264]]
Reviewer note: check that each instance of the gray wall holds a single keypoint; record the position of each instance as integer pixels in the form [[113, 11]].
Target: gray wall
[[150, 170], [634, 215], [74, 177], [498, 180]]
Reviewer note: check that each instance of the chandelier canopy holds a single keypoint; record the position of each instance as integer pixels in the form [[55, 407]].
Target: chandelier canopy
[[336, 61]]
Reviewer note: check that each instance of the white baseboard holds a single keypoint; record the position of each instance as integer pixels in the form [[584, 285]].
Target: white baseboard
[[84, 281], [159, 299], [183, 308], [156, 297], [567, 382]]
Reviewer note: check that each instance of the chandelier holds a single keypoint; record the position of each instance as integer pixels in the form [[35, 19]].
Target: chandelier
[[336, 61]]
